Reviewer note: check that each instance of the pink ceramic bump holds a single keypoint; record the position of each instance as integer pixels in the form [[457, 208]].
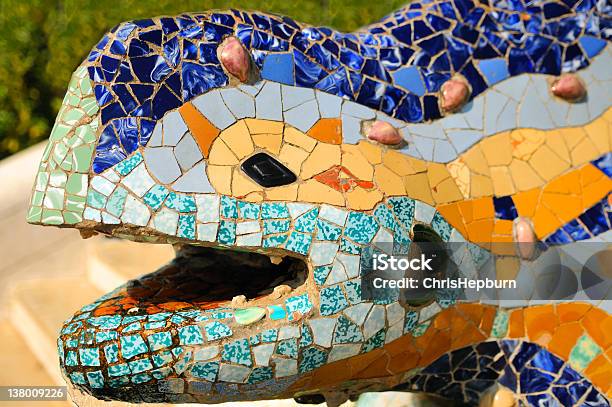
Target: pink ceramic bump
[[384, 133], [454, 93], [569, 87], [525, 237], [235, 58]]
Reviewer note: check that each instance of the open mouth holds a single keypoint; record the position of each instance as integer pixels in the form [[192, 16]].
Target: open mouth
[[207, 278]]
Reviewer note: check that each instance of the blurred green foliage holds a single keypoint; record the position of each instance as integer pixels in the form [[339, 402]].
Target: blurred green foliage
[[43, 41]]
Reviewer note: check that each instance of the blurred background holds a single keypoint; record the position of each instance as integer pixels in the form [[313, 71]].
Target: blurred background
[[47, 273]]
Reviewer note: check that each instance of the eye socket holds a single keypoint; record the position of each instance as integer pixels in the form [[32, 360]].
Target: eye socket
[[267, 171]]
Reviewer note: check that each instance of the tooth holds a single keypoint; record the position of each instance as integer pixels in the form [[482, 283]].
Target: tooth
[[239, 300], [276, 259], [280, 290]]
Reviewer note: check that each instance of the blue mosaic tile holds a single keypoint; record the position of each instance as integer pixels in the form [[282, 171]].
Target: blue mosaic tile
[[327, 231], [276, 226], [441, 226], [504, 208]]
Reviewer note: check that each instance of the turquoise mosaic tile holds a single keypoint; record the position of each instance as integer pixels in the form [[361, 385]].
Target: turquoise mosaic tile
[[162, 358], [441, 226], [305, 337], [260, 374], [95, 379], [332, 300], [274, 241], [249, 210], [288, 347], [104, 336], [347, 331], [71, 358], [376, 341], [277, 312], [190, 335], [299, 242], [360, 227], [403, 208], [270, 335], [349, 247], [181, 202], [112, 353], [217, 330], [119, 370], [274, 210], [306, 222], [207, 371], [126, 166], [140, 365], [353, 291], [227, 232], [312, 358], [156, 196], [132, 346], [116, 201], [135, 326], [410, 321], [159, 340], [229, 207], [327, 231], [89, 356], [321, 273], [300, 303], [276, 226], [237, 352], [186, 226], [141, 378], [77, 378]]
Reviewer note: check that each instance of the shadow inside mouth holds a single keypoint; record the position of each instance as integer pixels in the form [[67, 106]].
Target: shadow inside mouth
[[207, 278]]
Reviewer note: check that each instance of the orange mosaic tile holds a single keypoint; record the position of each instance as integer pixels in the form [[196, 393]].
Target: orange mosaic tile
[[540, 322], [327, 131], [202, 130], [600, 373], [564, 339], [598, 324], [516, 324]]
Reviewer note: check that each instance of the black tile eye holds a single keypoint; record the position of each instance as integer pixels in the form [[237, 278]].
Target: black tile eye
[[267, 171]]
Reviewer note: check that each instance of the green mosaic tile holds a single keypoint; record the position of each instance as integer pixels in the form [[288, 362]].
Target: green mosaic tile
[[583, 353]]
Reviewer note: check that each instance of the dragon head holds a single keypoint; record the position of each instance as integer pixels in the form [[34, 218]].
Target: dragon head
[[276, 158]]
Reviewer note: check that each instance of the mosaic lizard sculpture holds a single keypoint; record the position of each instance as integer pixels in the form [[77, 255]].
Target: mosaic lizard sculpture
[[297, 149]]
